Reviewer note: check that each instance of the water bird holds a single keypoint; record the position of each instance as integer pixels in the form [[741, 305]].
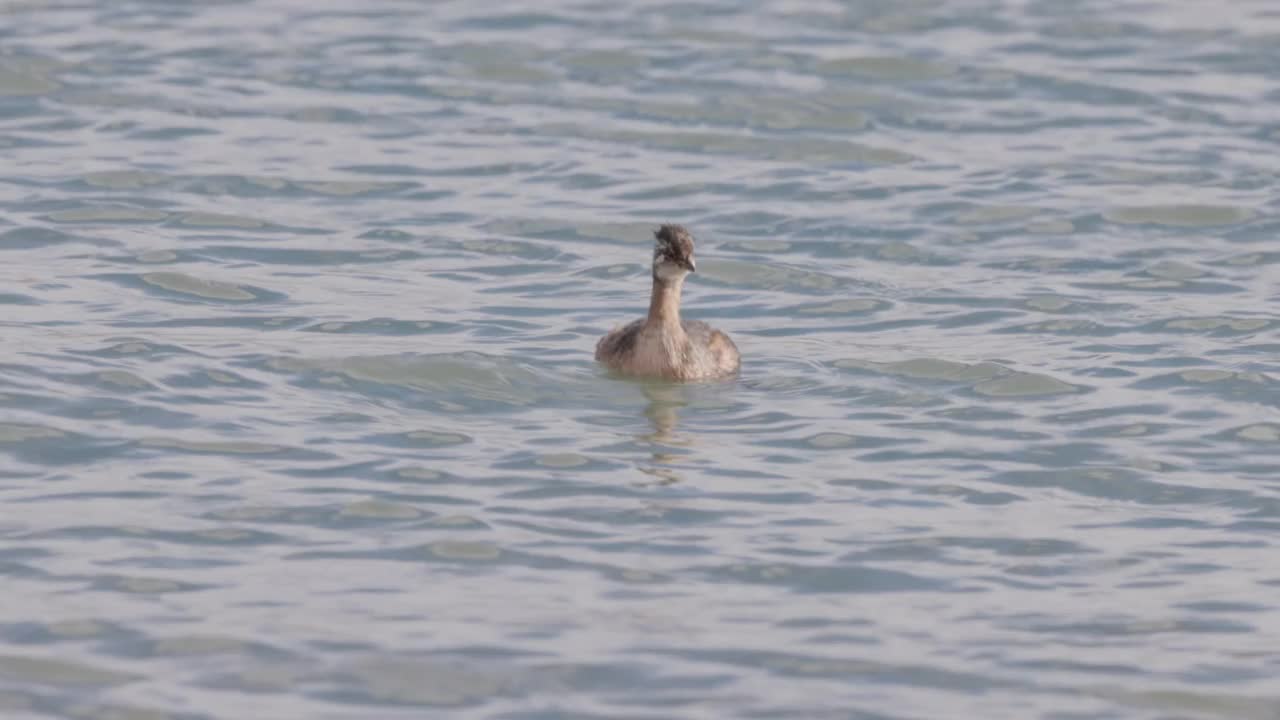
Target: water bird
[[661, 345]]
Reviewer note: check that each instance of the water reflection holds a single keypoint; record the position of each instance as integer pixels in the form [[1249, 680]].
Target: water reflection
[[663, 412]]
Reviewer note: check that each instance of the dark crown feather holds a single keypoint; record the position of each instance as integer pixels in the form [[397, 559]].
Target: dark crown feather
[[675, 241]]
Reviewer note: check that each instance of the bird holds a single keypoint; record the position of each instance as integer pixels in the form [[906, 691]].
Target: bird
[[661, 345]]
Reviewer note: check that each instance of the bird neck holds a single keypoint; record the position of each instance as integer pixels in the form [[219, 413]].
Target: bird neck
[[664, 304]]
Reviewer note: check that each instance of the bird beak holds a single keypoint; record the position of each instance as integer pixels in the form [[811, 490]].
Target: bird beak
[[690, 264]]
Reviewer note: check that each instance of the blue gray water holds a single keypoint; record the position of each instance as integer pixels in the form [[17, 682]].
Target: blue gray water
[[298, 417]]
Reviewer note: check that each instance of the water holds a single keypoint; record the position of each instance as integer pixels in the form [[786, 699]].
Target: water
[[298, 417]]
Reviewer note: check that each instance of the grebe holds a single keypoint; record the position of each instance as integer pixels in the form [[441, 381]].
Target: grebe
[[660, 345]]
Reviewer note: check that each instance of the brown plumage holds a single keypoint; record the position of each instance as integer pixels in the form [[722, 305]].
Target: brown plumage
[[660, 345]]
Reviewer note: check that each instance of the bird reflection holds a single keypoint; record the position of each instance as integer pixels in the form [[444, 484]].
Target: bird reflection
[[665, 401]]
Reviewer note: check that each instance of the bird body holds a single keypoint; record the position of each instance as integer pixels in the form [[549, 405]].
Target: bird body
[[661, 345]]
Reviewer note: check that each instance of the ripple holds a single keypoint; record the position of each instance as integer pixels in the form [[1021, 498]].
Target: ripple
[[993, 214], [770, 276], [230, 447], [830, 441], [1172, 270], [464, 522], [28, 238], [350, 188], [1024, 385], [47, 671], [1262, 433], [893, 69], [928, 369], [188, 285], [108, 215], [1217, 376], [78, 629], [428, 683], [378, 509], [157, 256], [147, 585], [465, 550], [436, 439], [23, 77], [563, 460], [1049, 303], [462, 380], [419, 474], [16, 433], [381, 326], [844, 307], [198, 645], [814, 150], [1051, 227], [1179, 215], [125, 179], [218, 220], [1211, 323]]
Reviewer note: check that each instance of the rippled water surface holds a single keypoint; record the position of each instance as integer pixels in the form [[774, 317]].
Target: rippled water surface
[[298, 416]]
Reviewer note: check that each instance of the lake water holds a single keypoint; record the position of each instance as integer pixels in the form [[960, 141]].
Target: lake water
[[299, 418]]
